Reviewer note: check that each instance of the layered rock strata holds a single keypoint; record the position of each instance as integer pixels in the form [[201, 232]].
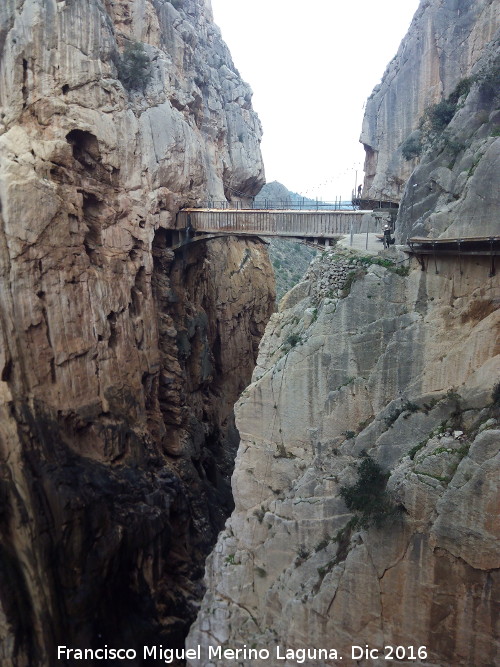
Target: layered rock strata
[[120, 358], [443, 44], [399, 365]]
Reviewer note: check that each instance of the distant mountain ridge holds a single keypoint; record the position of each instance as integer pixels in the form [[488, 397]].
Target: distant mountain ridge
[[276, 191]]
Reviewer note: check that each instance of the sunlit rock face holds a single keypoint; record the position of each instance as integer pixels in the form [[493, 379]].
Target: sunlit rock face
[[442, 46], [121, 357], [402, 368]]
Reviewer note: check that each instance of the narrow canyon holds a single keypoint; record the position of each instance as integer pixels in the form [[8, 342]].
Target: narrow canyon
[[176, 450]]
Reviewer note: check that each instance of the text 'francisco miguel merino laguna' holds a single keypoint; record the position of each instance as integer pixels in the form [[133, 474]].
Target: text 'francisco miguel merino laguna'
[[168, 655], [298, 655]]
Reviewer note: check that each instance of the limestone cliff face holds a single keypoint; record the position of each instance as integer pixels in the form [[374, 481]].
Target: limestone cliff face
[[364, 358], [453, 191], [444, 42], [120, 358]]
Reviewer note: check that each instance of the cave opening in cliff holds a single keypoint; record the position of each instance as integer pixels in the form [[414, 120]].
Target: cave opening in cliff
[[85, 147]]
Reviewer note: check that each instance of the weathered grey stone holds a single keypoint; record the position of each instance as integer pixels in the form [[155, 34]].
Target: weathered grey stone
[[376, 371], [444, 42]]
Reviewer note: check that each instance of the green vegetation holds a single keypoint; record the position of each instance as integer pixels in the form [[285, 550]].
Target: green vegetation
[[412, 147], [134, 66], [368, 496], [473, 166], [351, 277], [416, 449], [407, 407], [437, 117], [488, 79], [462, 89], [290, 261], [434, 121], [428, 406], [323, 544], [293, 339], [438, 478], [401, 270], [347, 382], [410, 407], [302, 552], [388, 264]]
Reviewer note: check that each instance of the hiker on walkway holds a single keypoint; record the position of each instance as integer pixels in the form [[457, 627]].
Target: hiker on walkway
[[387, 236]]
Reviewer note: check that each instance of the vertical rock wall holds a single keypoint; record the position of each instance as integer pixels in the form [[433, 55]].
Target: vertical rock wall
[[443, 43], [118, 361], [400, 366], [453, 191]]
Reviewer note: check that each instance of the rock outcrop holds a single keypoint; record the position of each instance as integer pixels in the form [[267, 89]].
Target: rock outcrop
[[443, 44], [120, 358], [453, 190], [366, 358]]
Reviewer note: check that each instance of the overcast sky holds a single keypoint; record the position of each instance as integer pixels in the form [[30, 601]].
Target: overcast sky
[[311, 65]]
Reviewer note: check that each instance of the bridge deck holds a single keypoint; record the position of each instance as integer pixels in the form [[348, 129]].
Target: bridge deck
[[283, 223]]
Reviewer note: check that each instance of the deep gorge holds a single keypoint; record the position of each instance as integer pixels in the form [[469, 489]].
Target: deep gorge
[[124, 462]]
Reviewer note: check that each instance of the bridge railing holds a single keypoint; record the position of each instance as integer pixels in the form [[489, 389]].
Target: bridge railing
[[282, 205]]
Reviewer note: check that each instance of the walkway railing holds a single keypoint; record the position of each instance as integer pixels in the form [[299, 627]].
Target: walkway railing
[[303, 204], [282, 205]]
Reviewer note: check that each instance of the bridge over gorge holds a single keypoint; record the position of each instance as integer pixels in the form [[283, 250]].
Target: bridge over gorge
[[319, 226]]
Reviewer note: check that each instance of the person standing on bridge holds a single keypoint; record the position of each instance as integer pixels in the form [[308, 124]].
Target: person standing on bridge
[[360, 187], [387, 236]]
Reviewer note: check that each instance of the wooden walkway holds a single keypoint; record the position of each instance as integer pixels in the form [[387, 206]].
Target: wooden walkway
[[488, 246], [317, 226], [471, 245]]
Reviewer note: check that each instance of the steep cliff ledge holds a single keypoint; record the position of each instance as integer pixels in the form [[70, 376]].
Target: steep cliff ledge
[[120, 359], [441, 48], [367, 359]]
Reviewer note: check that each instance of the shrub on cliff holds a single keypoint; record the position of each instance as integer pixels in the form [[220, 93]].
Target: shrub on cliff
[[434, 120], [489, 81], [134, 66], [368, 496], [412, 147], [437, 117]]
